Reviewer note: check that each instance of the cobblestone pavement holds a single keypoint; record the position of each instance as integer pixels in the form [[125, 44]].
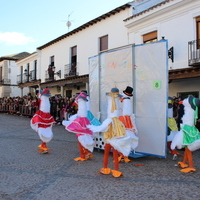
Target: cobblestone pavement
[[27, 174]]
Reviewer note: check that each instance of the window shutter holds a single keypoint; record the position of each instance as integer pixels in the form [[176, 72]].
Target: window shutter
[[150, 36], [104, 43]]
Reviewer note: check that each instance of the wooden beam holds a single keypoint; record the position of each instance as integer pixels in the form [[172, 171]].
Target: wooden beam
[[184, 73]]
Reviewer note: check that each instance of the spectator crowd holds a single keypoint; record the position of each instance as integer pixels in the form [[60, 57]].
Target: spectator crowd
[[61, 108]]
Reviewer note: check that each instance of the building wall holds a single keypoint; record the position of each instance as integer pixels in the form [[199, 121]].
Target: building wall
[[13, 90], [175, 21], [23, 62], [10, 87], [87, 42], [184, 85], [30, 59], [12, 71]]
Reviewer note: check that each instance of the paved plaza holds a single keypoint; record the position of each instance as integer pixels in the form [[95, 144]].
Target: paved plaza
[[27, 174]]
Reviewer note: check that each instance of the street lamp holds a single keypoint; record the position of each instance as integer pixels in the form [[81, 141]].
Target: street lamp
[[26, 72]]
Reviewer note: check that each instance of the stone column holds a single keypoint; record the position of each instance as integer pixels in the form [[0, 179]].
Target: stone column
[[62, 90]]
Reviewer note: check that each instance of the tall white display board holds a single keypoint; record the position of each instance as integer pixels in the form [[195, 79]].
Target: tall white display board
[[143, 67]]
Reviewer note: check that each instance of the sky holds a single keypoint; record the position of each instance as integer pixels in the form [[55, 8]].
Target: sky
[[28, 24]]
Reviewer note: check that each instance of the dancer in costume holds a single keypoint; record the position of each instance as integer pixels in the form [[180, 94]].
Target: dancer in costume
[[114, 134], [42, 121], [172, 128], [90, 116], [188, 136], [78, 124], [128, 119]]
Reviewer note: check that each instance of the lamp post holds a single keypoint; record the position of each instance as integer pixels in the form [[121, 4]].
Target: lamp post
[[26, 72]]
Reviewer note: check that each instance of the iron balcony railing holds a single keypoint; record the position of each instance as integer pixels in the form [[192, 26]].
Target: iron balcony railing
[[5, 81], [70, 70], [25, 77], [32, 75], [19, 79], [194, 53]]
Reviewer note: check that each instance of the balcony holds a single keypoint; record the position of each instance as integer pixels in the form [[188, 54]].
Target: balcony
[[70, 70], [194, 53], [19, 79], [5, 81], [32, 75], [49, 76], [26, 77]]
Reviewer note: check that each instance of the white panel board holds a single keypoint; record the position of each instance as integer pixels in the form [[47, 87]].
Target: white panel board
[[115, 71], [151, 84], [94, 84], [144, 67]]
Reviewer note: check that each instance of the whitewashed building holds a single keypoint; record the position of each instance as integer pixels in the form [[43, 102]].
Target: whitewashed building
[[177, 21], [8, 78], [28, 76], [63, 62], [68, 54]]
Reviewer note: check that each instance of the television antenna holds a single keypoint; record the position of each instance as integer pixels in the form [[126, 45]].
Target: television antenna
[[69, 22]]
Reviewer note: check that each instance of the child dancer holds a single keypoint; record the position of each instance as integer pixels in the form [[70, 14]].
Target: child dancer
[[114, 134], [42, 121], [128, 119], [78, 124]]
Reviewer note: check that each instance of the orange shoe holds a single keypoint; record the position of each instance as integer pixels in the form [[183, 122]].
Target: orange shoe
[[79, 159], [182, 165], [116, 173], [43, 150], [186, 170], [104, 171], [126, 159]]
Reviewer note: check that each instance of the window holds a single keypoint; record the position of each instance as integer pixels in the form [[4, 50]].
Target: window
[[103, 43], [21, 72], [198, 31], [150, 37], [184, 95], [35, 70], [27, 72], [35, 65], [52, 63], [1, 75], [74, 54], [69, 93], [73, 60]]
